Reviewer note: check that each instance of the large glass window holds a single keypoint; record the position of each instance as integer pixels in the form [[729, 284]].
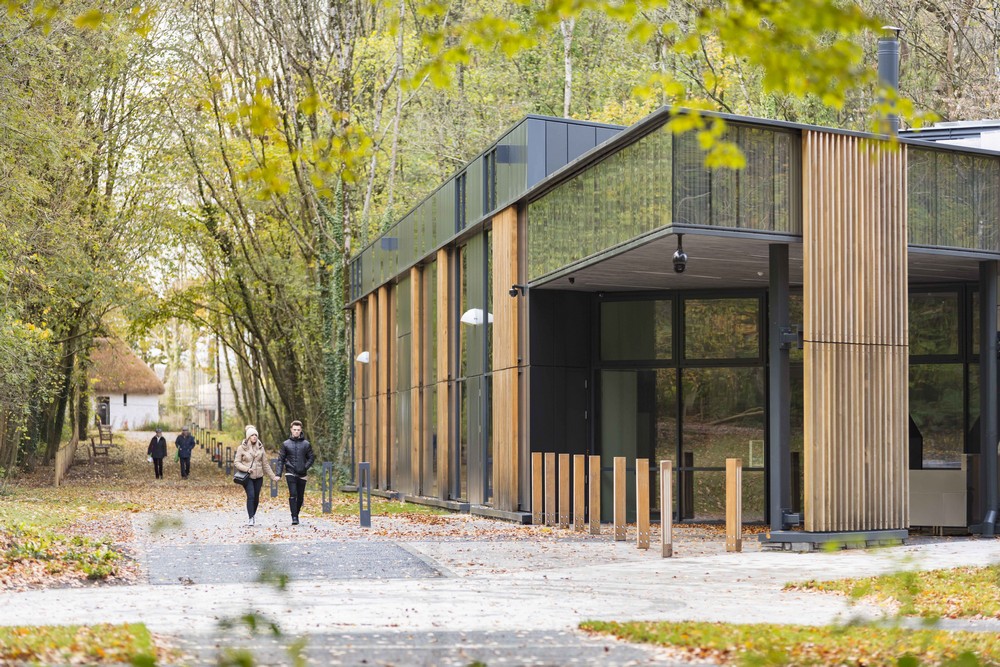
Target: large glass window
[[636, 330], [719, 389], [721, 328], [944, 376], [933, 318], [937, 408]]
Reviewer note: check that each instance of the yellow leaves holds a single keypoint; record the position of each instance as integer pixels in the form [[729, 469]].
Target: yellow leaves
[[90, 20]]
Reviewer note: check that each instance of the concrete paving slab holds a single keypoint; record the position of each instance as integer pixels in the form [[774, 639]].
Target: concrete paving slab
[[347, 584]]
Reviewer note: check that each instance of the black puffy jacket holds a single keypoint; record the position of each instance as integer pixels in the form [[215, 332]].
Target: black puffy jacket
[[296, 457]]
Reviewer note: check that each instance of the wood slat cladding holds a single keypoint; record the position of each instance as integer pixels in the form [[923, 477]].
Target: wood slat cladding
[[855, 331], [380, 471], [372, 408], [444, 307], [416, 375], [506, 325], [360, 385]]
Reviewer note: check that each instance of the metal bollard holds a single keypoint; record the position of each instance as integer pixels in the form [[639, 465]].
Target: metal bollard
[[274, 484], [365, 487], [218, 455], [326, 484], [229, 460]]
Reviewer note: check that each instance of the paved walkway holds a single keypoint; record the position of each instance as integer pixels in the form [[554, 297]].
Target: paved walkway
[[391, 595]]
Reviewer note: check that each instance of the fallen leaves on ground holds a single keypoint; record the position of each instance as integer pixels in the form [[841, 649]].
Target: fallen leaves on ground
[[768, 644], [79, 645], [33, 557], [964, 592]]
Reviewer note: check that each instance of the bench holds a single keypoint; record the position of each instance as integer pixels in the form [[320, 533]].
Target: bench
[[99, 450], [104, 434]]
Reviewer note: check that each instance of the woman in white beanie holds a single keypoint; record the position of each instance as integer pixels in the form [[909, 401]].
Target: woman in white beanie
[[251, 458]]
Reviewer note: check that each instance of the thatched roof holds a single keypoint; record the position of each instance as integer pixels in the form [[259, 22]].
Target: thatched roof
[[116, 370]]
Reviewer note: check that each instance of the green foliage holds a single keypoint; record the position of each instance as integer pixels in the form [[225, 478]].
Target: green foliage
[[966, 592], [769, 644], [77, 644], [95, 559]]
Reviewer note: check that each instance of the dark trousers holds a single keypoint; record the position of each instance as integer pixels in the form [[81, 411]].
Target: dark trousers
[[252, 487], [185, 466], [296, 493], [158, 467]]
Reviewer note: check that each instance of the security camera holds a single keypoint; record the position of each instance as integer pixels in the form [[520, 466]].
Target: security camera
[[680, 260], [512, 291]]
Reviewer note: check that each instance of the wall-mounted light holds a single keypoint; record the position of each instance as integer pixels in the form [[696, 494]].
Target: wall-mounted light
[[364, 357], [680, 257], [516, 289], [474, 316]]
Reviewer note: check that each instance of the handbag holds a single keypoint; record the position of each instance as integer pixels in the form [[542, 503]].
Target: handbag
[[240, 477]]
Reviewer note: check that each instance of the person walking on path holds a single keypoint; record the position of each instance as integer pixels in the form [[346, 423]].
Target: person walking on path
[[295, 460], [185, 445], [157, 451], [251, 458]]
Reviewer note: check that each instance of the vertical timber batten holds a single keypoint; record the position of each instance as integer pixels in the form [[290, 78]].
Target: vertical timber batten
[[374, 389], [855, 332], [385, 420], [506, 325], [444, 301], [416, 377]]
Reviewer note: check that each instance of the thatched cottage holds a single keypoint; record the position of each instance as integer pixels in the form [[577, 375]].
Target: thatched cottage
[[126, 391]]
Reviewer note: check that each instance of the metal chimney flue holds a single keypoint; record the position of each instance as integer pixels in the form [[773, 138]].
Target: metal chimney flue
[[888, 69]]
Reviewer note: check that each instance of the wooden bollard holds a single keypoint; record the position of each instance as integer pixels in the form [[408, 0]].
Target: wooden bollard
[[667, 508], [734, 505], [620, 527], [594, 514], [550, 489], [579, 491], [564, 477], [537, 485], [642, 502]]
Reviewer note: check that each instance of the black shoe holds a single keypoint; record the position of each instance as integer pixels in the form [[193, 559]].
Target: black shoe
[[295, 520]]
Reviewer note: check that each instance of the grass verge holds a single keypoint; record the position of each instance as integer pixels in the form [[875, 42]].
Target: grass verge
[[964, 592], [768, 644], [78, 644], [26, 549]]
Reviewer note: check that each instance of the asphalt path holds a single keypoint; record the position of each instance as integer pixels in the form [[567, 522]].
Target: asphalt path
[[345, 595]]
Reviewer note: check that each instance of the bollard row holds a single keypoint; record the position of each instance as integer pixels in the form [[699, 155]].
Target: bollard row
[[551, 492]]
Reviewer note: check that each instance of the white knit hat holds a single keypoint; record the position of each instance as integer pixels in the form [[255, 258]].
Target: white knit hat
[[250, 430]]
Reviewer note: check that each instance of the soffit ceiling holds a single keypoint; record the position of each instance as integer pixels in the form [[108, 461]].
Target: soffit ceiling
[[719, 262]]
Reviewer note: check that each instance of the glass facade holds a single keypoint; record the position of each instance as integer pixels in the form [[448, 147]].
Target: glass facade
[[660, 180], [953, 199], [944, 376], [694, 394]]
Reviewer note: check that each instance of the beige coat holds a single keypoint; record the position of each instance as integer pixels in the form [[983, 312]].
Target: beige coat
[[253, 459]]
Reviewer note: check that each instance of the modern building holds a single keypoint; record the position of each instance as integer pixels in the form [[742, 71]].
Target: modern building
[[581, 288], [126, 390]]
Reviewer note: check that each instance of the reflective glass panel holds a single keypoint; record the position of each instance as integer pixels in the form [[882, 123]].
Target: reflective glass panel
[[933, 323], [721, 328], [937, 408], [636, 330]]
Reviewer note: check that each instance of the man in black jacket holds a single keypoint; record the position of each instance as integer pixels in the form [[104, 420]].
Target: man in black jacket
[[157, 451], [185, 445], [295, 460]]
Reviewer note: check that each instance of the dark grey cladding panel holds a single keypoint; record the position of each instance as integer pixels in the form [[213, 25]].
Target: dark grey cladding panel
[[560, 402], [605, 133], [560, 328], [581, 138], [537, 145], [556, 145]]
